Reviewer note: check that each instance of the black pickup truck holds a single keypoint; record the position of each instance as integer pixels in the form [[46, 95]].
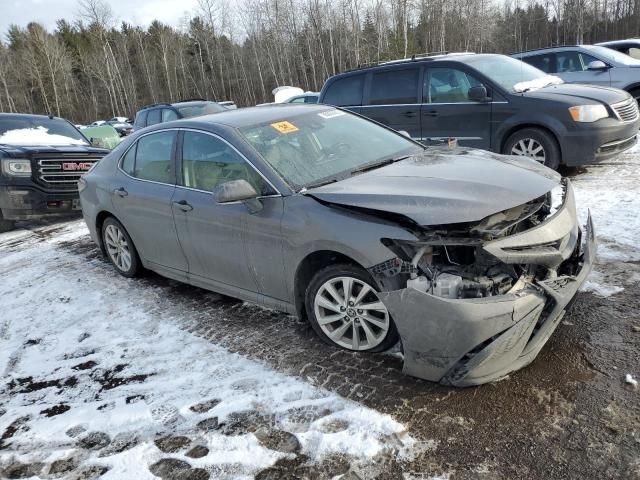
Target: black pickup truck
[[41, 160]]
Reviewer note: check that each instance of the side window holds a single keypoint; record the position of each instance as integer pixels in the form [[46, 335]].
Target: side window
[[141, 119], [153, 157], [447, 85], [208, 162], [168, 115], [297, 100], [129, 160], [569, 61], [543, 62], [586, 60], [634, 52], [153, 117], [345, 91], [395, 86]]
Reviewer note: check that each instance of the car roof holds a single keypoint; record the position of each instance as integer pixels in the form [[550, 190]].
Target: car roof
[[18, 116], [243, 117], [615, 43], [549, 49]]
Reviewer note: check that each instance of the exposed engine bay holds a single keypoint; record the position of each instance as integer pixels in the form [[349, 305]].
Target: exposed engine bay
[[453, 263]]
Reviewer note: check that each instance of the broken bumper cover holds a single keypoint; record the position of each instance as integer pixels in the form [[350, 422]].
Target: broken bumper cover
[[464, 342]]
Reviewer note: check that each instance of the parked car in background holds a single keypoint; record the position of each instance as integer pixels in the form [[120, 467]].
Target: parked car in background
[[231, 105], [123, 128], [103, 136], [309, 97], [41, 160], [590, 64], [470, 258], [119, 120], [492, 102], [166, 112], [630, 46], [97, 123]]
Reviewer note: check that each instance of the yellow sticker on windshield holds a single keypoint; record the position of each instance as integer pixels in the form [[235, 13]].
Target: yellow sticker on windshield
[[285, 127]]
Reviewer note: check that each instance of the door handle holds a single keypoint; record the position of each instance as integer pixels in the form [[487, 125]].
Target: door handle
[[183, 205], [432, 113], [121, 192], [409, 114]]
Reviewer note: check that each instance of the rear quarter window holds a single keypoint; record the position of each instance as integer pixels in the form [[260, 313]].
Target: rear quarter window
[[141, 119], [346, 91], [154, 117]]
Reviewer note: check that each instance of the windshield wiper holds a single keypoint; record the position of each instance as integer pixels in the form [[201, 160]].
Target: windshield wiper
[[380, 163], [319, 183]]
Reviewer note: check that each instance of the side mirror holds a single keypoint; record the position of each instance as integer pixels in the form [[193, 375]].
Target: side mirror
[[238, 191], [405, 133], [478, 94], [597, 65]]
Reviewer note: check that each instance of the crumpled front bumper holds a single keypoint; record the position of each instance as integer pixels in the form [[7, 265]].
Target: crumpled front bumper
[[464, 342]]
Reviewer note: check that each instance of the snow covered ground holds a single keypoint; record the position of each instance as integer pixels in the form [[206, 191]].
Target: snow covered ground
[[95, 381], [90, 380]]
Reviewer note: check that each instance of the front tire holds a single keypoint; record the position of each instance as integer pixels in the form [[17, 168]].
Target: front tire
[[120, 248], [344, 310], [534, 143]]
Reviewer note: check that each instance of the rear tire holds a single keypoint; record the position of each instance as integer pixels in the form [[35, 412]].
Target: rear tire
[[6, 225], [120, 249], [534, 143], [359, 322]]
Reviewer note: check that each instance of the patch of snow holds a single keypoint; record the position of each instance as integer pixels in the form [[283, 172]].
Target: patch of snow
[[541, 82], [36, 136], [596, 284], [126, 369], [628, 378]]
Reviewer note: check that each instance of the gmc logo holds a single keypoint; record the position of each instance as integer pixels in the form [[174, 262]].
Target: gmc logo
[[76, 166]]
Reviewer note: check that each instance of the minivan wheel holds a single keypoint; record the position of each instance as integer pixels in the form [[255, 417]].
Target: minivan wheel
[[120, 249], [6, 225], [344, 310], [534, 143]]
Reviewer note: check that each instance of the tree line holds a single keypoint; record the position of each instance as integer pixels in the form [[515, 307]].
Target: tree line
[[93, 68]]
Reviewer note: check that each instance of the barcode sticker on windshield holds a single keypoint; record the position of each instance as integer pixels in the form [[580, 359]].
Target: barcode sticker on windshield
[[285, 127], [331, 113]]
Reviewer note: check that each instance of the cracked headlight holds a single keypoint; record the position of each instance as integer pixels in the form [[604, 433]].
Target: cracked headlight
[[588, 113], [16, 167], [556, 198]]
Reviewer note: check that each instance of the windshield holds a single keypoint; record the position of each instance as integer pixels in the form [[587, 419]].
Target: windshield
[[507, 72], [199, 109], [314, 147], [39, 131], [612, 55]]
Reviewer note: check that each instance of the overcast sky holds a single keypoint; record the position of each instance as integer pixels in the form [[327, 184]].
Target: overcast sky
[[138, 12]]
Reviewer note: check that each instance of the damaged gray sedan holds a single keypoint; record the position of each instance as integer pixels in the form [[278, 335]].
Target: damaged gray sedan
[[468, 258]]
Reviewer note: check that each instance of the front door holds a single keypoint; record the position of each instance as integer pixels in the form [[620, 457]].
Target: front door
[[214, 235], [142, 197], [447, 112], [573, 67], [393, 100]]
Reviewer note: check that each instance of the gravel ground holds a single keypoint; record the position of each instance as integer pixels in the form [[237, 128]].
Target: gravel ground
[[570, 414]]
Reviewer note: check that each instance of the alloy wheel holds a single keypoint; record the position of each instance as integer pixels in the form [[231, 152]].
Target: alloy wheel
[[117, 247], [350, 313], [529, 147]]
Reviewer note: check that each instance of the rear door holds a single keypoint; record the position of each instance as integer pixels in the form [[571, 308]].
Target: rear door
[[142, 197], [447, 112], [573, 67], [394, 99]]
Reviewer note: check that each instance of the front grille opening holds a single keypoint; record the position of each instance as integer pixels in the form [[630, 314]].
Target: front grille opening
[[62, 174]]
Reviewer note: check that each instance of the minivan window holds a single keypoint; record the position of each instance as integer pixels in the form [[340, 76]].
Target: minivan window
[[394, 87], [208, 162], [153, 117], [345, 91], [153, 157], [168, 115], [141, 119], [448, 85], [543, 62]]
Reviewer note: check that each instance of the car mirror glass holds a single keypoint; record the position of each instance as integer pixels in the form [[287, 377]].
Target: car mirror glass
[[597, 65]]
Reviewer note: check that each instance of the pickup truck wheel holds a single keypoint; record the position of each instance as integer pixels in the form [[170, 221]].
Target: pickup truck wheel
[[534, 143], [6, 225], [344, 310], [120, 249]]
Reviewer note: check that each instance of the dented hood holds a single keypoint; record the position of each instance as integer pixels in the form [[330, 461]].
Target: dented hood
[[443, 186]]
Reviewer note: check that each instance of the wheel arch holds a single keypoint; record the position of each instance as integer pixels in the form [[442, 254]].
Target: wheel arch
[[100, 219], [307, 268]]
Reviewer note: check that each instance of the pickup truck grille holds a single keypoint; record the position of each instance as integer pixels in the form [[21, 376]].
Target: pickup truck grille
[[627, 111], [62, 173]]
